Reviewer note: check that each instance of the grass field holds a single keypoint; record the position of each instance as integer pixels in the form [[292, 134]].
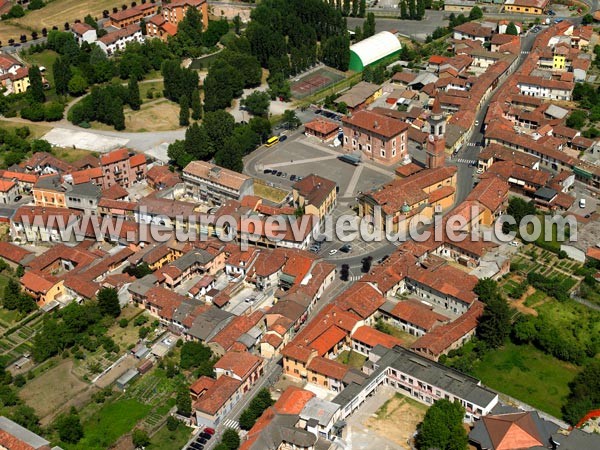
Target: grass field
[[37, 130], [165, 438], [160, 115], [352, 358], [45, 59], [56, 12], [525, 373], [109, 423], [71, 154]]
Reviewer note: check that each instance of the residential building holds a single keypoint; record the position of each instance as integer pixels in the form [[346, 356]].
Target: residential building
[[123, 168], [164, 25], [38, 223], [376, 136], [412, 316], [393, 206], [211, 183], [473, 31], [117, 40], [540, 87], [43, 288], [315, 195], [8, 191], [213, 399], [84, 32], [242, 366], [133, 15]]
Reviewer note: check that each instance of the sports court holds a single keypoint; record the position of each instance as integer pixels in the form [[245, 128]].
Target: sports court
[[315, 81]]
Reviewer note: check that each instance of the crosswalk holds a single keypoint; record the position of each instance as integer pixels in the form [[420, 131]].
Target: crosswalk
[[230, 423], [472, 144], [465, 161], [354, 277], [524, 52]]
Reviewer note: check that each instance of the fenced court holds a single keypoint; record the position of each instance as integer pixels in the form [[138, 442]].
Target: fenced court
[[315, 81]]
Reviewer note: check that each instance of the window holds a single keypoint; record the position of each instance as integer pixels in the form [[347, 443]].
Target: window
[[382, 153], [368, 147], [393, 152]]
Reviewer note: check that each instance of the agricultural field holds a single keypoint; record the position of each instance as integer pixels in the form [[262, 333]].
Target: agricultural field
[[159, 115], [55, 13]]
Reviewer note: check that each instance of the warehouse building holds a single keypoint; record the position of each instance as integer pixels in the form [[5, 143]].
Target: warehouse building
[[372, 50]]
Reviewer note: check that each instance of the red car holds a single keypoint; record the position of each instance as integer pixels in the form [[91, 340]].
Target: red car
[[209, 430]]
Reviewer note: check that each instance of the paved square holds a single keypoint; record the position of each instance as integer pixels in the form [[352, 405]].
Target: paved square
[[63, 137]]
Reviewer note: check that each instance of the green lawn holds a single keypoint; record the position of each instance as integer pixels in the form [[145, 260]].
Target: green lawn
[[527, 374], [154, 86], [45, 59], [165, 438], [352, 358], [111, 422]]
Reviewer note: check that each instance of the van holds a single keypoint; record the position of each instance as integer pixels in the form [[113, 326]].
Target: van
[[582, 203]]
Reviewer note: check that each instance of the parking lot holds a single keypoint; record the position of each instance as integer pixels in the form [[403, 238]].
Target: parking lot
[[301, 156]]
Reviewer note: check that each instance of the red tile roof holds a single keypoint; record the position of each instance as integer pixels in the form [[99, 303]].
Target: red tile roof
[[327, 367], [361, 298], [491, 192], [114, 157], [321, 126], [373, 337], [419, 314], [315, 189], [36, 282], [137, 160], [217, 395], [441, 338], [13, 253], [328, 340], [241, 364], [292, 400], [376, 124]]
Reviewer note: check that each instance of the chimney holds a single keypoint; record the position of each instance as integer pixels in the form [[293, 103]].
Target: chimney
[[376, 125]]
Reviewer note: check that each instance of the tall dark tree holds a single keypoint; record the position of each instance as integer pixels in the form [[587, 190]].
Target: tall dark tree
[[69, 427], [36, 86], [196, 105], [442, 427], [403, 10], [184, 111], [584, 393], [369, 25], [363, 8], [133, 94], [336, 52], [184, 402], [512, 29], [476, 13], [108, 302]]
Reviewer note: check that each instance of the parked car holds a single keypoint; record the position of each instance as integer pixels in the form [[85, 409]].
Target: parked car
[[279, 173], [17, 198], [210, 431], [205, 435], [382, 259], [282, 138], [266, 171], [346, 248], [582, 203], [479, 171], [333, 251]]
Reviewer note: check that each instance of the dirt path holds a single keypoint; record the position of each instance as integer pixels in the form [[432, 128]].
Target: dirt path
[[519, 303]]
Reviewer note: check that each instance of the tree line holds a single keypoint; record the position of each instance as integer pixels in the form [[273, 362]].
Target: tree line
[[454, 21]]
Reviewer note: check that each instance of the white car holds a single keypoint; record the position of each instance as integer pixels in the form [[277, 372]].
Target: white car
[[514, 243], [479, 171], [333, 251]]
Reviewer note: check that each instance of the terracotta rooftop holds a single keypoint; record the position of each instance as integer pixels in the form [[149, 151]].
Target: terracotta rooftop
[[327, 367], [419, 314], [292, 400], [217, 395], [216, 174], [241, 364], [321, 126], [115, 156], [376, 124], [315, 189], [373, 337], [328, 340], [361, 298]]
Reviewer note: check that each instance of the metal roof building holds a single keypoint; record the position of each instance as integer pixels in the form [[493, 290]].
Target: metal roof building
[[372, 50]]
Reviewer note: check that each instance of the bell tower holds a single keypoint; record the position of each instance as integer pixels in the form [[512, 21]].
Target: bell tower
[[436, 143]]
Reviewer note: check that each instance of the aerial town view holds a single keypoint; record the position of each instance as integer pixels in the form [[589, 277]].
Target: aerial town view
[[299, 224]]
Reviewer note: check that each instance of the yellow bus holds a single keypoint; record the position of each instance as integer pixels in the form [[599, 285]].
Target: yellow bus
[[272, 141]]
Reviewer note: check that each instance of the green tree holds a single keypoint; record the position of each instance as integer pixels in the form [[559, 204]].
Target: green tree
[[77, 85], [218, 126], [362, 8], [108, 302], [36, 87], [495, 322], [237, 24], [486, 289], [184, 402], [231, 439], [584, 393], [577, 119], [257, 103], [512, 29], [196, 105], [62, 75], [290, 120], [90, 21], [26, 417], [133, 95], [403, 10], [172, 423], [369, 25], [442, 427], [355, 7], [184, 111], [36, 4], [193, 354], [587, 19], [261, 126], [140, 437], [69, 427], [476, 13]]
